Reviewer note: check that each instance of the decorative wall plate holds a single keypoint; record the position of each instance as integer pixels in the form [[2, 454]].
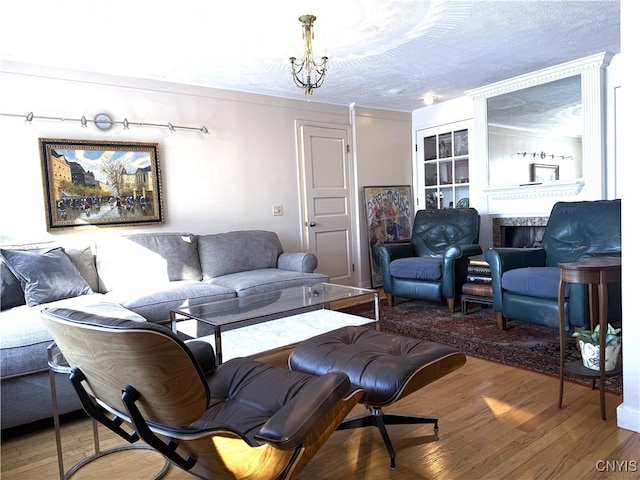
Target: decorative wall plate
[[463, 203]]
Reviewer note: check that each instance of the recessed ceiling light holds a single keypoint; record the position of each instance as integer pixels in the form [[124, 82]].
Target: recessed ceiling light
[[429, 99]]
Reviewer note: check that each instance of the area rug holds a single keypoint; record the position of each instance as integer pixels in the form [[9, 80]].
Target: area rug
[[522, 345]]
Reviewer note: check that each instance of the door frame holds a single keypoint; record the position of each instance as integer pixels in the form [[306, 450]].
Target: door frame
[[356, 252]]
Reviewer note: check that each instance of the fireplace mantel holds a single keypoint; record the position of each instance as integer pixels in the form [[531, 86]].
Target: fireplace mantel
[[528, 191]]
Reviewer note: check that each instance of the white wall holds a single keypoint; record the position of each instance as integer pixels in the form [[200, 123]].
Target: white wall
[[628, 413], [224, 181], [380, 160], [443, 112]]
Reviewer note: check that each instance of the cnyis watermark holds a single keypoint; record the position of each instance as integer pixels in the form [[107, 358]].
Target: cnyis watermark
[[617, 466]]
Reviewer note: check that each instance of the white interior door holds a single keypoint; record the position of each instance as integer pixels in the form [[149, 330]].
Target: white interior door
[[327, 187]]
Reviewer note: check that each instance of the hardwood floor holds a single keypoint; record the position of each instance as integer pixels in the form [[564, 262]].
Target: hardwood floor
[[496, 422]]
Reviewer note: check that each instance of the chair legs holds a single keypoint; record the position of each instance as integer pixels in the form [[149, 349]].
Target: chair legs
[[451, 303], [377, 418]]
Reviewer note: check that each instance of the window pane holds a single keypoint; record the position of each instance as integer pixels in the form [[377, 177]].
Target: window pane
[[444, 145], [431, 200], [430, 174], [461, 142], [430, 151], [445, 173], [462, 171]]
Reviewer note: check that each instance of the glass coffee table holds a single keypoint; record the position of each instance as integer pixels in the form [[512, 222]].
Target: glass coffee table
[[262, 322]]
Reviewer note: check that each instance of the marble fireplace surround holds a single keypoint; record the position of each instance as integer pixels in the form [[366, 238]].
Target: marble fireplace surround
[[534, 224]]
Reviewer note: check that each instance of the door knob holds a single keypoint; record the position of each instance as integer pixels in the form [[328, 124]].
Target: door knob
[[312, 224]]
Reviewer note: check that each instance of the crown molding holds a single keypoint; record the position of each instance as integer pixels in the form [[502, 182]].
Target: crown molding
[[568, 69]]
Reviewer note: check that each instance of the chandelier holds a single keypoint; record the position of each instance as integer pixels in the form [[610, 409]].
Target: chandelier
[[307, 73]]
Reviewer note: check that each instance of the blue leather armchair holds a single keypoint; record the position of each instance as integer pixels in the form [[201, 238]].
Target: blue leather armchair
[[525, 280], [434, 265]]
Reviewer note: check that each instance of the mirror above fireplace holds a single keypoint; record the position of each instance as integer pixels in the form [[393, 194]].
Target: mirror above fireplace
[[506, 187], [536, 127]]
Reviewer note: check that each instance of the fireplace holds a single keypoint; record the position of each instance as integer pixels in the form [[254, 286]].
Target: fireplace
[[518, 231]]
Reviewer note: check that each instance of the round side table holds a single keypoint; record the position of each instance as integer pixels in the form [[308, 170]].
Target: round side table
[[58, 364], [594, 272]]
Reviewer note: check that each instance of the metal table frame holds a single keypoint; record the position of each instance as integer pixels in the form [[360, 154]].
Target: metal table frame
[[58, 364]]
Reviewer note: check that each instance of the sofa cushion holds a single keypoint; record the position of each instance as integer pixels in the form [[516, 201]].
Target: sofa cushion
[[533, 281], [128, 261], [421, 268], [45, 276], [225, 253], [266, 280], [153, 302], [24, 339], [11, 293]]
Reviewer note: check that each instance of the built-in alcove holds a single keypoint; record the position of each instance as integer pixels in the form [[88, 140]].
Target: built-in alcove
[[518, 232]]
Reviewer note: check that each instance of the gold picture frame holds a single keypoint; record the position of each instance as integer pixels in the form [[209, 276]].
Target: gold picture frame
[[100, 183], [542, 173]]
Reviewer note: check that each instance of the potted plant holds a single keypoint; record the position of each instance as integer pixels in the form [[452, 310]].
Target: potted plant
[[589, 343]]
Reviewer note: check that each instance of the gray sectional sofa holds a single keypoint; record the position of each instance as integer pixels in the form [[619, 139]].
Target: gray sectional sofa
[[133, 276]]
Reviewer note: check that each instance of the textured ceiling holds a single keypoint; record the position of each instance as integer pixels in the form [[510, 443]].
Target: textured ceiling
[[382, 53]]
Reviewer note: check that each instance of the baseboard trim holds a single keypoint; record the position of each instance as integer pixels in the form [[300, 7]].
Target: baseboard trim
[[628, 417]]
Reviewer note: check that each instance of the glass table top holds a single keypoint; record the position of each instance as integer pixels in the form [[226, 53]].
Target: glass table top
[[241, 309]]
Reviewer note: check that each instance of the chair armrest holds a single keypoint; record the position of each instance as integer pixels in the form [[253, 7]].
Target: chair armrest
[[298, 262], [502, 259], [287, 428], [389, 252], [454, 270]]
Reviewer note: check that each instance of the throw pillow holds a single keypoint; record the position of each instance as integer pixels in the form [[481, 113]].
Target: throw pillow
[[11, 294], [82, 258], [45, 276]]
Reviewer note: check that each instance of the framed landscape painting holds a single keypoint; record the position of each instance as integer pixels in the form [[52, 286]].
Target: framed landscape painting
[[389, 216], [100, 183]]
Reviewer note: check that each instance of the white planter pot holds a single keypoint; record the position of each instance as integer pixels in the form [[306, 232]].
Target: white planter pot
[[591, 356]]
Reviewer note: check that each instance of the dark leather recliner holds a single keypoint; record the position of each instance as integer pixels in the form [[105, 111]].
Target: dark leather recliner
[[434, 265], [239, 420], [525, 280]]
